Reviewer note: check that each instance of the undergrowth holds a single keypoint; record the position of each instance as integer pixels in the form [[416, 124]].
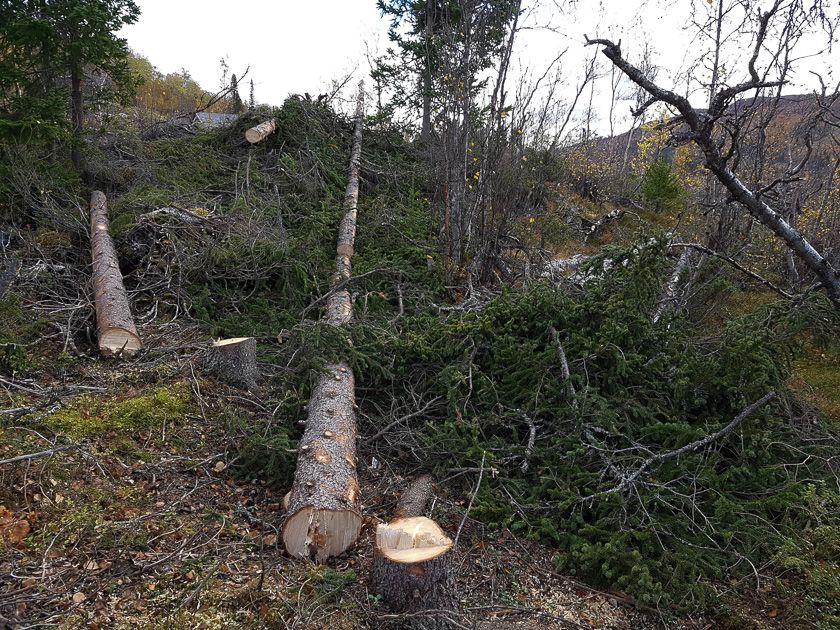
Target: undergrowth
[[758, 502]]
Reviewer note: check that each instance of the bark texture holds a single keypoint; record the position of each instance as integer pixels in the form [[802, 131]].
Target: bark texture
[[261, 131], [323, 518], [423, 591], [234, 361], [668, 298], [77, 116], [117, 332]]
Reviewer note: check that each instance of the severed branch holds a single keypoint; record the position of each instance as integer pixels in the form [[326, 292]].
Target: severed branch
[[29, 456], [629, 480], [564, 365]]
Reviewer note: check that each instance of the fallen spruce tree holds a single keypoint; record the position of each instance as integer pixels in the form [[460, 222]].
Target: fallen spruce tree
[[323, 517], [115, 326]]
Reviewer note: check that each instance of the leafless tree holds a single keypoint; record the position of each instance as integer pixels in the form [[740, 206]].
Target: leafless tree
[[719, 130]]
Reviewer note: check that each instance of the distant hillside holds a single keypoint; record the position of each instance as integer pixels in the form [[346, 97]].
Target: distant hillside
[[790, 115]]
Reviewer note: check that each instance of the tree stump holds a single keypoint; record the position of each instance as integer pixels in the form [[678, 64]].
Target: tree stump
[[261, 132], [115, 327], [234, 361], [412, 569]]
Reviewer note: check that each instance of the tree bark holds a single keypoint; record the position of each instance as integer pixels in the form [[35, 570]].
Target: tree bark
[[323, 518], [261, 131], [77, 117], [412, 568], [668, 298], [234, 361], [117, 332], [426, 80]]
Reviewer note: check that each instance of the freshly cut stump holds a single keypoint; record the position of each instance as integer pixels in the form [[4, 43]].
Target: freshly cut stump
[[412, 569], [115, 327], [234, 361], [411, 540], [261, 131]]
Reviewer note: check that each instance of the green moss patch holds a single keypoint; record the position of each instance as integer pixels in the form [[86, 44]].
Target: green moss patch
[[91, 416]]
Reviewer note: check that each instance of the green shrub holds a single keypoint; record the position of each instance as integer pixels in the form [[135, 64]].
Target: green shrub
[[662, 188]]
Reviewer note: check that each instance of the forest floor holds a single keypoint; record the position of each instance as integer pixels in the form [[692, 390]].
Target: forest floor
[[151, 528], [149, 510], [145, 521]]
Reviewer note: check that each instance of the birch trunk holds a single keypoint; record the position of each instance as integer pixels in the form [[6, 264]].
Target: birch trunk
[[668, 298], [323, 518], [116, 330]]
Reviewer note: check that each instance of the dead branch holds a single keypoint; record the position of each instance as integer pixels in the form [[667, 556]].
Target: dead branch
[[628, 481]]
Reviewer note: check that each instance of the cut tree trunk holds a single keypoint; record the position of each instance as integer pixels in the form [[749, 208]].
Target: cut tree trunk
[[117, 332], [323, 518], [261, 131], [234, 361], [412, 569]]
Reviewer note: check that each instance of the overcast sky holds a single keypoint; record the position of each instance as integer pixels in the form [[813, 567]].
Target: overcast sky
[[300, 46]]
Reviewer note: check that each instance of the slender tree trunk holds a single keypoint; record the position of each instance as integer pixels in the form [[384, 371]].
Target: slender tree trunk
[[323, 518], [426, 80], [77, 116]]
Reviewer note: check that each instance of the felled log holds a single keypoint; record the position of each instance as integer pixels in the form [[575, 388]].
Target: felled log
[[412, 569], [595, 228], [261, 131], [116, 330], [323, 518], [234, 361]]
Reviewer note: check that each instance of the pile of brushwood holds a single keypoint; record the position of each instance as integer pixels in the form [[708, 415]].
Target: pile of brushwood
[[622, 443]]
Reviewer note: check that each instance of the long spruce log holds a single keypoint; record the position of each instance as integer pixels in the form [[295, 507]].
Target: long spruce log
[[323, 518], [412, 569], [116, 330], [234, 361], [260, 132]]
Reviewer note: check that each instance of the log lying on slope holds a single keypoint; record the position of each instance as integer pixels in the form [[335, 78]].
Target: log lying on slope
[[116, 330], [234, 361], [261, 132], [323, 518], [412, 569]]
